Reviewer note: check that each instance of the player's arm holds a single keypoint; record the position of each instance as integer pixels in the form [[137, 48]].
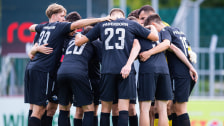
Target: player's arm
[[153, 34], [183, 58], [82, 40], [32, 28], [125, 71], [159, 48], [42, 49], [85, 22]]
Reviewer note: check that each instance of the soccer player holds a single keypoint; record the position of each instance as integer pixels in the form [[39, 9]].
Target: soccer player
[[94, 76], [179, 69], [154, 81], [133, 118], [118, 53], [42, 65]]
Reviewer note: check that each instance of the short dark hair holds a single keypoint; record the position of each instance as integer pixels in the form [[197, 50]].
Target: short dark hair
[[116, 9], [152, 18], [134, 13], [146, 8], [132, 18], [73, 16]]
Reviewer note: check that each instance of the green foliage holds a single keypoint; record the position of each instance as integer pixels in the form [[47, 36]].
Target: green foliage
[[136, 4], [213, 3]]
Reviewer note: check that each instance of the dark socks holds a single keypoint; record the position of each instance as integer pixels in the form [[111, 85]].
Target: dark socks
[[174, 121], [105, 119], [123, 118], [95, 118], [114, 120], [157, 116], [183, 120], [33, 121], [43, 119], [77, 122], [63, 118], [30, 113], [88, 118], [49, 121], [133, 120]]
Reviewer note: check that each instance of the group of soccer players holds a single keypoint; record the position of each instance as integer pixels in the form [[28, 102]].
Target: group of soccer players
[[166, 75]]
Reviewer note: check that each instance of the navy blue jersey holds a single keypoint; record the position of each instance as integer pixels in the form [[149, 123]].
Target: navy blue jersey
[[94, 64], [176, 66], [53, 34], [156, 63], [117, 37], [76, 59]]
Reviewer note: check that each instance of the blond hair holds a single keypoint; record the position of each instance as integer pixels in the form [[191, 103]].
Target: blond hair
[[54, 9]]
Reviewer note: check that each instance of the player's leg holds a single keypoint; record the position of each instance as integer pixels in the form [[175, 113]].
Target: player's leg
[[182, 115], [163, 94], [95, 114], [162, 111], [156, 114], [64, 97], [78, 116], [152, 113], [38, 95], [88, 114], [38, 112], [107, 89], [146, 93], [96, 94], [123, 106], [115, 112], [181, 93], [105, 113], [126, 91], [144, 113], [81, 89], [133, 117], [170, 111], [30, 110]]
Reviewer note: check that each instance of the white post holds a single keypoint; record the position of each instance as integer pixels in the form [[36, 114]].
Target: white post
[[155, 5], [123, 6], [212, 48], [110, 5], [89, 8]]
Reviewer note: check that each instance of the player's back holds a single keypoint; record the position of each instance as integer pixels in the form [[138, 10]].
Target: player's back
[[117, 37], [156, 63], [53, 34], [176, 66], [76, 58]]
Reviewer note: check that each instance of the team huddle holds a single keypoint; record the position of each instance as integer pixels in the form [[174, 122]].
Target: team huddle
[[96, 66]]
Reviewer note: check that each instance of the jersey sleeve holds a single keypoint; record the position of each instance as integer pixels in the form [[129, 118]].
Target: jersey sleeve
[[140, 31], [39, 28], [94, 33], [164, 34], [65, 27]]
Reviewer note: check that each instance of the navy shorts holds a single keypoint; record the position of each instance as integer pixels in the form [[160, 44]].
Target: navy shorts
[[38, 86], [74, 85], [95, 91], [113, 86], [182, 88], [154, 86], [115, 101]]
